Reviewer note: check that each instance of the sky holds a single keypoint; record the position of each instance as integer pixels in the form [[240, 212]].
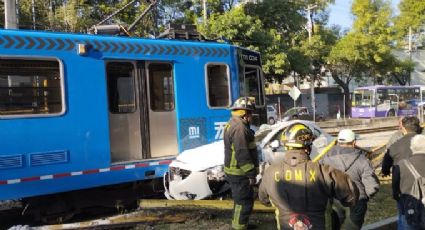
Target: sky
[[340, 12]]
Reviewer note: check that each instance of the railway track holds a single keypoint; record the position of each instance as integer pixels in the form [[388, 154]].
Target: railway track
[[334, 132], [147, 218]]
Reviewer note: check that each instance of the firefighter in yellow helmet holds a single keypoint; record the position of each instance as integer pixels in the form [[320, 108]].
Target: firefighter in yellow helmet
[[241, 161], [300, 188]]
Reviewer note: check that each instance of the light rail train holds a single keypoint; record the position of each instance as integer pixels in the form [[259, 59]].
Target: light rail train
[[84, 111]]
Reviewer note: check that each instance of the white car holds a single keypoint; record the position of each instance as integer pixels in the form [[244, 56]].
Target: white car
[[199, 173]]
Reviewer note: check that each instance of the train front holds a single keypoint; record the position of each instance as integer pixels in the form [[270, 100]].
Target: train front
[[251, 82]]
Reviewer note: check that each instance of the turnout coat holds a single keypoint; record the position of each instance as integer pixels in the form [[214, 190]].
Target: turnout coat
[[300, 190]]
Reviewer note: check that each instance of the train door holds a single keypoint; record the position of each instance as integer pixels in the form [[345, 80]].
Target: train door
[[124, 112], [142, 115], [162, 113]]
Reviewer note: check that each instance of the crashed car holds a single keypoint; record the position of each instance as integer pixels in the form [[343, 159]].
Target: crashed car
[[199, 173]]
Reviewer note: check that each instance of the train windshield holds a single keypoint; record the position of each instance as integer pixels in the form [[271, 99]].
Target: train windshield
[[253, 86], [363, 98]]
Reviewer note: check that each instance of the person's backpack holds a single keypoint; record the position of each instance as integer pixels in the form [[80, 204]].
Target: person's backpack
[[414, 202]]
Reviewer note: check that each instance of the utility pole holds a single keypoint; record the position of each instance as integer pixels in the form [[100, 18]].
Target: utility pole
[[310, 20], [204, 4], [51, 15], [410, 53], [33, 14], [10, 14], [312, 77]]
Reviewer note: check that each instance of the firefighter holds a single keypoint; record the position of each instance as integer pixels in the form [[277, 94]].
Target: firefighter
[[299, 188], [241, 161]]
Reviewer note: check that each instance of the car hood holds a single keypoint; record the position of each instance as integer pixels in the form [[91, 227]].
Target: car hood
[[201, 158], [277, 128], [211, 155]]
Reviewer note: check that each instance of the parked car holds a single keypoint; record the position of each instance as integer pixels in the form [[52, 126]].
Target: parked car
[[272, 116], [199, 173], [300, 113]]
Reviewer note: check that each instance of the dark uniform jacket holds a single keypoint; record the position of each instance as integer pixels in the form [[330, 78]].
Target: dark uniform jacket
[[355, 164], [403, 179], [240, 151], [300, 190], [398, 151]]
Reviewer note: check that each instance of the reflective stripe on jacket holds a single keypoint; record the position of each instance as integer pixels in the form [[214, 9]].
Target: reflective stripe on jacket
[[300, 190]]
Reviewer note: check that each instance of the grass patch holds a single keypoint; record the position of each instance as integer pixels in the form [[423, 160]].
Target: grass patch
[[381, 206]]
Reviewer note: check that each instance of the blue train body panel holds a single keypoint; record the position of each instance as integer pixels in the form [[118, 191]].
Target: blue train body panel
[[80, 146]]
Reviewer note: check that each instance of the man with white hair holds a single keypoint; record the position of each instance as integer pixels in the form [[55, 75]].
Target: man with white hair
[[345, 157], [404, 180]]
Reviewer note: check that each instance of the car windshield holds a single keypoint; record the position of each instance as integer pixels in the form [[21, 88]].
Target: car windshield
[[296, 110], [291, 111]]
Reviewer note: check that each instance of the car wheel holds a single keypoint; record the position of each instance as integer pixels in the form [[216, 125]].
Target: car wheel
[[391, 113], [272, 121]]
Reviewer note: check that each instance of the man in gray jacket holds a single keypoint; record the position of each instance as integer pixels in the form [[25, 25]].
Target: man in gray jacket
[[345, 157]]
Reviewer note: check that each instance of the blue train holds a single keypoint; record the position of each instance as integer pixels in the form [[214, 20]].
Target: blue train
[[83, 111]]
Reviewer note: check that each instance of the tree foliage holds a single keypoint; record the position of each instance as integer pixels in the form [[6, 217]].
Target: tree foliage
[[412, 14], [277, 29], [365, 50]]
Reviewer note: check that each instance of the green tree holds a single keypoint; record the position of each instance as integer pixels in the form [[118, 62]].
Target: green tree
[[400, 73], [248, 31], [366, 49], [412, 14]]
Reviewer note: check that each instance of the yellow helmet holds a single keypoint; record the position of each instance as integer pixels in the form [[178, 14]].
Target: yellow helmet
[[244, 103], [297, 136]]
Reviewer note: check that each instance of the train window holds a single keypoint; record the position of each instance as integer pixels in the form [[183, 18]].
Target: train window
[[218, 86], [253, 85], [30, 87], [121, 90], [161, 85]]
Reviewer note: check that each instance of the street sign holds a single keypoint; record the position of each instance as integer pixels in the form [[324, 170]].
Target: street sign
[[294, 93]]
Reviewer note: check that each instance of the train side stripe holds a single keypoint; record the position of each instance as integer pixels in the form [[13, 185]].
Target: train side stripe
[[61, 175], [130, 166], [46, 177], [106, 45], [9, 42], [140, 165], [51, 43], [16, 181], [61, 44], [131, 48], [90, 171], [21, 42], [85, 172], [30, 44], [165, 162], [30, 179], [118, 167], [66, 44], [41, 43]]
